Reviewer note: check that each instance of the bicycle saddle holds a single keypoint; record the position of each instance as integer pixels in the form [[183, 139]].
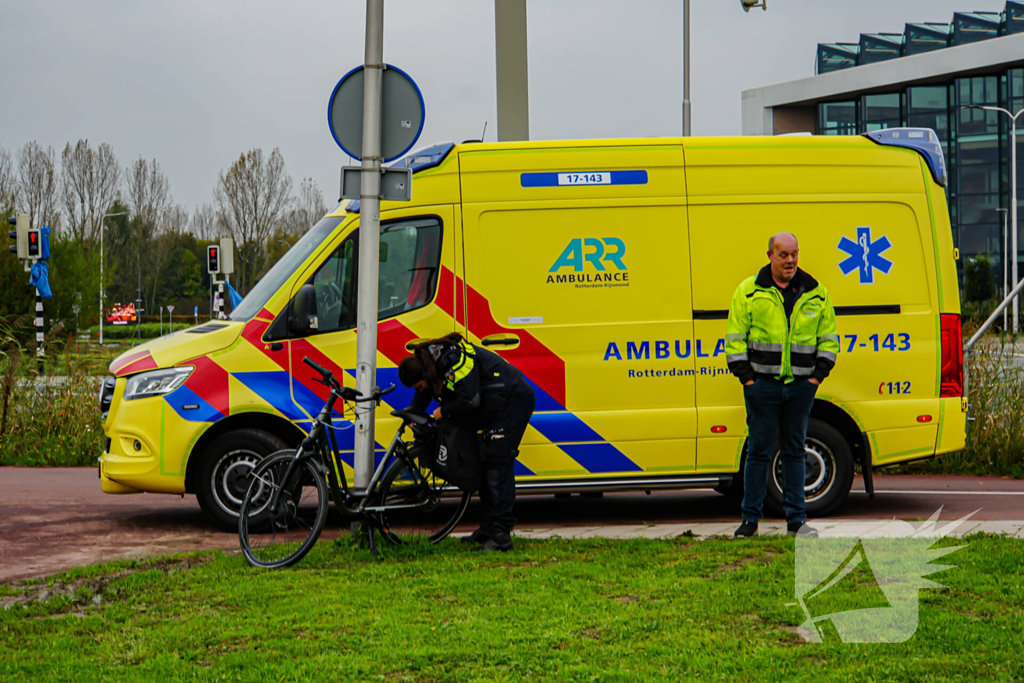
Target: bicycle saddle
[[411, 416]]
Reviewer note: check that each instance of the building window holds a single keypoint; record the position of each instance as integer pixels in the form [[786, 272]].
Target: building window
[[1014, 17], [837, 118], [928, 107], [971, 27], [921, 38], [979, 155], [881, 111], [836, 56], [879, 47]]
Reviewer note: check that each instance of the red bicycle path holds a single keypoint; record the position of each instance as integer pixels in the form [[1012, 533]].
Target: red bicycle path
[[55, 519]]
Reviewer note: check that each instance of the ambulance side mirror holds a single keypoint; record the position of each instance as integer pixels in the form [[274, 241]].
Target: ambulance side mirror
[[303, 319]]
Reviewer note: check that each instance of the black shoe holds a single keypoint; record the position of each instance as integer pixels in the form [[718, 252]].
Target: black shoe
[[746, 530], [499, 541], [481, 535], [801, 529]]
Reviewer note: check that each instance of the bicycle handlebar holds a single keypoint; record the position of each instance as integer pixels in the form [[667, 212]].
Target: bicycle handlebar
[[316, 366], [346, 393]]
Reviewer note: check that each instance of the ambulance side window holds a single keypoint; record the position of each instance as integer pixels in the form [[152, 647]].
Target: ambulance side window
[[409, 264], [409, 261], [335, 284]]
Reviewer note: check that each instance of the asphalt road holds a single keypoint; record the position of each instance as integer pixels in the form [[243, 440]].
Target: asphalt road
[[55, 519]]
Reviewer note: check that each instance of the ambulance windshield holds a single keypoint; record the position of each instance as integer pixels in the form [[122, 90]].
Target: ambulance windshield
[[255, 300]]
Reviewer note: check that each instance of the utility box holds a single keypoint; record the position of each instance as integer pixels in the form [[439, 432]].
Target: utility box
[[227, 256]]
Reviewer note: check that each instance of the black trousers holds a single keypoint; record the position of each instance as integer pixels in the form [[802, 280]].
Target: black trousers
[[500, 449]]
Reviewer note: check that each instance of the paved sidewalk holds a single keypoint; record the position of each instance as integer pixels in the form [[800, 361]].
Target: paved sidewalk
[[831, 528]]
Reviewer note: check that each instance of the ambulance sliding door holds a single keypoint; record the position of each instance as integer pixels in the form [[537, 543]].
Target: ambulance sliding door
[[590, 298]]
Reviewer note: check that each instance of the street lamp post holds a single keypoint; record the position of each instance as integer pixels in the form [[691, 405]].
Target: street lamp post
[[1013, 199], [687, 118], [1006, 253], [105, 216]]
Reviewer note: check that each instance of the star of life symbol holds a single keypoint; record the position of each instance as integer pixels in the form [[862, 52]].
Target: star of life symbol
[[860, 580], [865, 255]]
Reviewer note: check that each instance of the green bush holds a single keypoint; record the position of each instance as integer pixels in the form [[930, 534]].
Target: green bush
[[149, 330], [978, 285], [995, 439], [47, 420]]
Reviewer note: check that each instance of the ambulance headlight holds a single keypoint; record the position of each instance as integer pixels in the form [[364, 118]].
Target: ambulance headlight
[[156, 382]]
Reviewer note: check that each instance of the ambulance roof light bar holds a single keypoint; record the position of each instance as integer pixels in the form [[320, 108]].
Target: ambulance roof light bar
[[428, 157], [924, 141]]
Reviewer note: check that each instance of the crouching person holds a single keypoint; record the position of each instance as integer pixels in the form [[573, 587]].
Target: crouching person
[[477, 390]]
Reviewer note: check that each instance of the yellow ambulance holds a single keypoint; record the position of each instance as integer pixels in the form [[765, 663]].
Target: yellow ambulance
[[603, 269]]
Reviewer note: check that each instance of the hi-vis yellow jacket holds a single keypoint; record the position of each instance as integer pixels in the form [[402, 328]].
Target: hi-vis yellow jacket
[[759, 339]]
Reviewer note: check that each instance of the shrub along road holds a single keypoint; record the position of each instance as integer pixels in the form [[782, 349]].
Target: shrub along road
[[53, 519]]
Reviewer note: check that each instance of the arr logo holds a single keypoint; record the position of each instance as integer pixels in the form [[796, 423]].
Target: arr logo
[[603, 255], [595, 251]]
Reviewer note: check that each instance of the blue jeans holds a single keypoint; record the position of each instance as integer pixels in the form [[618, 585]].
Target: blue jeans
[[784, 408]]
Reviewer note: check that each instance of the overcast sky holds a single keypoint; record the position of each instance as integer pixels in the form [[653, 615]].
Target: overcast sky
[[194, 83]]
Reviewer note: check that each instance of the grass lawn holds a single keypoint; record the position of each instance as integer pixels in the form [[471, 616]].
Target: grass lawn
[[593, 610]]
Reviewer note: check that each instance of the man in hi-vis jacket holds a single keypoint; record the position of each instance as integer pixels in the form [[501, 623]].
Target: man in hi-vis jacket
[[781, 343]]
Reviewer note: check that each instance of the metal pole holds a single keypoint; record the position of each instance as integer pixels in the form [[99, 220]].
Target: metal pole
[[511, 60], [1006, 255], [102, 262], [369, 241], [40, 337], [138, 307], [686, 68], [101, 281], [1013, 219]]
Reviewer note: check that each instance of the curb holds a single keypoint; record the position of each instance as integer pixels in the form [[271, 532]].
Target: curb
[[826, 529]]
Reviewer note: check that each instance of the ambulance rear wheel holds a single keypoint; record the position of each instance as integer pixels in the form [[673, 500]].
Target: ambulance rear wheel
[[224, 472], [828, 475]]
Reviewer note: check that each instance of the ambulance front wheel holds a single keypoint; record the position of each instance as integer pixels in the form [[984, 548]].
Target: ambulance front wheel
[[828, 474], [224, 472]]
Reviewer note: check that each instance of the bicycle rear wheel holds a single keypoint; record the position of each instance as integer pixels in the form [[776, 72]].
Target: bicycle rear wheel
[[410, 503], [283, 538]]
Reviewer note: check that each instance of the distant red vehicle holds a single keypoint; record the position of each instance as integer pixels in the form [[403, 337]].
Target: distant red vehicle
[[121, 315]]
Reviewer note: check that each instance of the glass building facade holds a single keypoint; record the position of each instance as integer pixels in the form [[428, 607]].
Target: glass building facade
[[976, 144]]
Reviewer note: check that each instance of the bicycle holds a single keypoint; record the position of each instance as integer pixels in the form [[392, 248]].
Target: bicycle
[[286, 504]]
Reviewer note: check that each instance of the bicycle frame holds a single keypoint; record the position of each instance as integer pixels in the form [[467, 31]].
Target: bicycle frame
[[330, 465]]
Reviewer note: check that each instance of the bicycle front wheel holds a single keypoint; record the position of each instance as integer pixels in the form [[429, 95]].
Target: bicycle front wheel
[[410, 503], [282, 538]]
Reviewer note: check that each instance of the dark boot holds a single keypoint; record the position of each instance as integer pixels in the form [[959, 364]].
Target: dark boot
[[500, 541], [481, 535]]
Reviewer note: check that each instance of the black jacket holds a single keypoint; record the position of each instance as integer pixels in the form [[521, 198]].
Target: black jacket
[[477, 384]]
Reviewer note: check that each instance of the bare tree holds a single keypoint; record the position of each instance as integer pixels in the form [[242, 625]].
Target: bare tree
[[89, 186], [8, 181], [251, 198], [40, 184], [147, 191], [204, 223], [307, 209]]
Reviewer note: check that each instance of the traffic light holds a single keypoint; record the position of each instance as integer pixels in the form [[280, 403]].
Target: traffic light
[[33, 244], [213, 259], [20, 235]]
